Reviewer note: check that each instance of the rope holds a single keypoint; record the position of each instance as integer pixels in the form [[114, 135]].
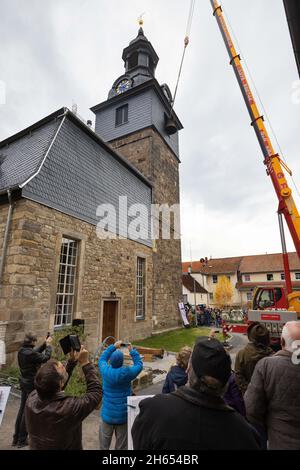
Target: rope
[[260, 100], [186, 43]]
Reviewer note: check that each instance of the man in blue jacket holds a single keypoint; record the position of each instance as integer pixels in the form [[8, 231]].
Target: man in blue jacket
[[116, 384]]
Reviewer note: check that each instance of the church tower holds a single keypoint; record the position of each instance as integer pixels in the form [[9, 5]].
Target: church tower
[[138, 121]]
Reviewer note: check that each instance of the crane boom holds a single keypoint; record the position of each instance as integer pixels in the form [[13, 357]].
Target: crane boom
[[275, 166]]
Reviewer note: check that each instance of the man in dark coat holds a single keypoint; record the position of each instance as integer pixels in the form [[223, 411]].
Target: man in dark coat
[[195, 417], [247, 358], [273, 395], [30, 359], [54, 420]]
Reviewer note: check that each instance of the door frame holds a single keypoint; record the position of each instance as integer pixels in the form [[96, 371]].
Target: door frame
[[118, 310]]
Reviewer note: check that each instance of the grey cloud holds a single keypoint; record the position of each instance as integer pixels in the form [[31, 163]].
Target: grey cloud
[[56, 51]]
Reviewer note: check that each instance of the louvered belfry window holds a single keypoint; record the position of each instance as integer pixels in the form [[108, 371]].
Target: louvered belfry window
[[65, 297]]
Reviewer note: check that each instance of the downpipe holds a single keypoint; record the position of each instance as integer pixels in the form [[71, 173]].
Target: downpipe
[[6, 235]]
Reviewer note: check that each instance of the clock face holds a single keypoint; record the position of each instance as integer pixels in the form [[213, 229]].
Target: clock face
[[123, 86]]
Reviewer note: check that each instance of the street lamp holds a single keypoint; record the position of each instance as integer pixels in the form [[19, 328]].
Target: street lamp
[[190, 270], [205, 262]]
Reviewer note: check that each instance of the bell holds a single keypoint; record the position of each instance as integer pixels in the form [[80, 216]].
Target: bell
[[171, 127]]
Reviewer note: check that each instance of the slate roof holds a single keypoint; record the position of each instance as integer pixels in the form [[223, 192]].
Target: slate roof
[[23, 153], [188, 282], [67, 167]]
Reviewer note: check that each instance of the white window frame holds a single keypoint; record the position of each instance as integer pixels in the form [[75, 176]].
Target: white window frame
[[270, 274], [297, 276], [215, 279], [140, 294], [247, 277], [66, 285]]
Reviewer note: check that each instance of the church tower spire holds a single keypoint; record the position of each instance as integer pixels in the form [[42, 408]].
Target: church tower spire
[[140, 62]]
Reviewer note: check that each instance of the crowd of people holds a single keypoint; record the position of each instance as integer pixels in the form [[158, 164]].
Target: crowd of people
[[205, 316], [204, 404]]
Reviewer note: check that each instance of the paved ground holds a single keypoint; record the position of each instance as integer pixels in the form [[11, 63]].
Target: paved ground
[[91, 424]]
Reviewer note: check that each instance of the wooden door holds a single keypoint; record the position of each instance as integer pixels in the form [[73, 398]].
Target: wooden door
[[109, 326]]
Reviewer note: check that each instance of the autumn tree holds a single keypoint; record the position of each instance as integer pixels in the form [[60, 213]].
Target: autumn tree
[[224, 292]]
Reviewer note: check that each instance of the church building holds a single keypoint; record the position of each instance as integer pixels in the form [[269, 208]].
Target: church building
[[56, 265]]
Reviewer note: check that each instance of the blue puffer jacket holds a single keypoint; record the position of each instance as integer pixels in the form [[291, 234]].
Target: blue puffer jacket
[[116, 384]]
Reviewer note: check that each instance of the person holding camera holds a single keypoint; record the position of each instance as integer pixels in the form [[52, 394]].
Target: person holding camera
[[54, 420], [30, 358], [116, 382]]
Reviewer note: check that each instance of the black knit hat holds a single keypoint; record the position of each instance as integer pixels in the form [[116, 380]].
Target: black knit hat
[[210, 358]]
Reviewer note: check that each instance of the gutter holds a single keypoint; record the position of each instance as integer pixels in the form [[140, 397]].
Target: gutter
[[6, 235]]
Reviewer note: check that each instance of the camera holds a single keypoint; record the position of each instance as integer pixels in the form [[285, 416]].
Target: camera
[[70, 342]]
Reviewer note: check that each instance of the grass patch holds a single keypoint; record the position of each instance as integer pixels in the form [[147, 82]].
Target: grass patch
[[175, 340]]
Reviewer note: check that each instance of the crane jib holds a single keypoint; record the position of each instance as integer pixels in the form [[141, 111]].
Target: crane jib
[[272, 160]]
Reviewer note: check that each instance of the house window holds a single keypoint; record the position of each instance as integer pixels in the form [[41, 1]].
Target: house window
[[270, 277], [247, 278], [297, 276], [215, 279], [249, 296], [282, 275], [66, 283], [185, 298], [140, 288], [211, 296], [122, 115]]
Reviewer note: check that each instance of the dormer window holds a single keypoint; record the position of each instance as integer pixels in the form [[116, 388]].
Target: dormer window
[[122, 115]]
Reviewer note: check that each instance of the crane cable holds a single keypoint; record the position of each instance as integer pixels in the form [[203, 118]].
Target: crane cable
[[261, 102], [186, 43]]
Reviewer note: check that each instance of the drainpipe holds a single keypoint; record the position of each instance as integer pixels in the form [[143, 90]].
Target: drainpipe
[[6, 235]]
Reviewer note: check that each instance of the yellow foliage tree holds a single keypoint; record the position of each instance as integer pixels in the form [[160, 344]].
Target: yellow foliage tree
[[224, 292]]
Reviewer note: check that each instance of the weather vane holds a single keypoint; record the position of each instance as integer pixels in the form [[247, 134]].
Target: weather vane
[[141, 19]]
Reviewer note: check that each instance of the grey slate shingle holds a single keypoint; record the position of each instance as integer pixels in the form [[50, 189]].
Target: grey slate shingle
[[22, 157]]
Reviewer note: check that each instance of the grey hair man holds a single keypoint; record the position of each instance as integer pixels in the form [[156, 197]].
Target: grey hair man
[[195, 417], [273, 396]]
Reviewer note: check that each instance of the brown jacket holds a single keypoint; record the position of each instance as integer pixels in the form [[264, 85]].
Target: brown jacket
[[273, 400], [245, 362], [56, 424]]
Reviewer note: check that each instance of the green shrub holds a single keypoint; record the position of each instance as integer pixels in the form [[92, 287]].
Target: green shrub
[[77, 384]]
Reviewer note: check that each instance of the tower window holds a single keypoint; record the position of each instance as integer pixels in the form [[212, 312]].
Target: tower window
[[133, 60], [151, 65], [122, 115]]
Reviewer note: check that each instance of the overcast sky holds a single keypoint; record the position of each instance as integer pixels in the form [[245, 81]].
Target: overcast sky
[[56, 52]]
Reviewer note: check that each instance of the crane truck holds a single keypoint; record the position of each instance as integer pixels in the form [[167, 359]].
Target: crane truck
[[272, 305]]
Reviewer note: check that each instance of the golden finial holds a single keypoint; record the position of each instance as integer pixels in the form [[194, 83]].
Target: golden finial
[[141, 20]]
